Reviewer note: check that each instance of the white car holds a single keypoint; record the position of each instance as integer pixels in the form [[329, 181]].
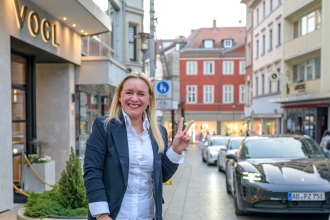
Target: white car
[[231, 146], [211, 148]]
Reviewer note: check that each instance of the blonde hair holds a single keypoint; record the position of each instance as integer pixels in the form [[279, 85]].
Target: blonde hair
[[116, 108]]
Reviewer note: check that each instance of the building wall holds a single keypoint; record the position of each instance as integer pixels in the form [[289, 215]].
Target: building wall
[[55, 114], [6, 201]]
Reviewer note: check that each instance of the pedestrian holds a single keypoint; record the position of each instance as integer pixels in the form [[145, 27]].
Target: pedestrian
[[201, 140], [127, 158], [247, 133], [324, 142]]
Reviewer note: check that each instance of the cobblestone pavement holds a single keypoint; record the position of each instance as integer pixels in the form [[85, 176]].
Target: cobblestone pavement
[[198, 192]]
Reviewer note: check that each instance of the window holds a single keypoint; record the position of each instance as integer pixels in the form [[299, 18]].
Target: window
[[228, 67], [270, 40], [262, 84], [257, 17], [248, 54], [248, 93], [191, 68], [263, 44], [307, 23], [269, 86], [256, 86], [263, 10], [208, 43], [132, 43], [241, 67], [279, 34], [227, 43], [242, 93], [307, 70], [228, 94], [249, 20], [208, 68], [278, 82], [270, 5], [257, 49], [279, 2], [191, 94], [208, 94]]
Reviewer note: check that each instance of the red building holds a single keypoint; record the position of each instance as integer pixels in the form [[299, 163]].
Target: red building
[[212, 80]]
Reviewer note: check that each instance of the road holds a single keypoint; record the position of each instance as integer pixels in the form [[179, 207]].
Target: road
[[198, 192]]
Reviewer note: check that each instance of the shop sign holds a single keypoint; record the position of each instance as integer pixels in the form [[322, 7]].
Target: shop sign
[[35, 25], [300, 87]]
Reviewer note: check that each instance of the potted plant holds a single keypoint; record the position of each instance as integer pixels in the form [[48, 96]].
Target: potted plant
[[67, 199]]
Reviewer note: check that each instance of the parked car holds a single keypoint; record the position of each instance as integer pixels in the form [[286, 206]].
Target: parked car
[[212, 146], [283, 174], [231, 147]]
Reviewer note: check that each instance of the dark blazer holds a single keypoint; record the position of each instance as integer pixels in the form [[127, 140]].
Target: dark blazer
[[106, 166]]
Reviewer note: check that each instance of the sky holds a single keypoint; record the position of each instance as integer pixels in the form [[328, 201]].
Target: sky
[[178, 17]]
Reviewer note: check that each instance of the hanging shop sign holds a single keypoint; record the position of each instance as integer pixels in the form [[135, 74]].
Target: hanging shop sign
[[36, 25]]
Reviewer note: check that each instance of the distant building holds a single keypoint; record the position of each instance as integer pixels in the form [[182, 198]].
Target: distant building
[[305, 91], [212, 74], [264, 56]]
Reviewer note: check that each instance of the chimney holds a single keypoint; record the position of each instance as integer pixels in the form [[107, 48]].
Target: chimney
[[214, 28]]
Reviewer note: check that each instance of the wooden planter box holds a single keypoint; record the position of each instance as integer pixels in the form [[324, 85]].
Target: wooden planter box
[[45, 170]]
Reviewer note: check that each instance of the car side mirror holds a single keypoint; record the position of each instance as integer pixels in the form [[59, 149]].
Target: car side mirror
[[223, 149], [231, 157]]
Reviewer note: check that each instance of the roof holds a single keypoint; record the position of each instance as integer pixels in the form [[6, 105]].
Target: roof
[[195, 40]]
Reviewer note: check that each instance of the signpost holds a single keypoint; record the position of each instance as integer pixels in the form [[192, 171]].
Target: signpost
[[163, 93]]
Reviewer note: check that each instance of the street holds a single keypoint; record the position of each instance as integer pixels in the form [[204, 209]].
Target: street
[[198, 192]]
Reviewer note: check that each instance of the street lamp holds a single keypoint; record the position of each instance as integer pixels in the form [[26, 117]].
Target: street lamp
[[144, 46], [234, 106]]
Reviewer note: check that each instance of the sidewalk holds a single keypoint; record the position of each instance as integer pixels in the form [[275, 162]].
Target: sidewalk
[[12, 213]]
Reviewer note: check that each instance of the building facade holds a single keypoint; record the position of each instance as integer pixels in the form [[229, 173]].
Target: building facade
[[264, 50], [212, 78], [61, 62], [305, 92]]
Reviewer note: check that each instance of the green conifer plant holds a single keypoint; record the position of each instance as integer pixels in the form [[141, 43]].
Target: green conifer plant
[[71, 184]]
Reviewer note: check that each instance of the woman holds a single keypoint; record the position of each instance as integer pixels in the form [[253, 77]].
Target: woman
[[324, 142], [127, 156]]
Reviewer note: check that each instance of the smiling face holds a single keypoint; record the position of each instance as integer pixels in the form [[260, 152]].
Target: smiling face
[[134, 97]]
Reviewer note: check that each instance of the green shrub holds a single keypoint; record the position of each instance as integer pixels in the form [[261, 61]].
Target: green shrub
[[67, 198]]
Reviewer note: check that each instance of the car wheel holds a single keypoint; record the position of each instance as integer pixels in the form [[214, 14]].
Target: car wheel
[[207, 160], [227, 185], [219, 169], [237, 210]]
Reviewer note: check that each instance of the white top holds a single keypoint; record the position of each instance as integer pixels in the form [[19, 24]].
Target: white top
[[138, 202]]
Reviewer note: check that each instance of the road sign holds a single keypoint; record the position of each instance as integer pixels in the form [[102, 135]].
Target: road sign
[[163, 89], [163, 104]]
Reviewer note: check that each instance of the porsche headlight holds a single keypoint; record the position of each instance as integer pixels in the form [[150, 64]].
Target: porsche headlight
[[252, 177], [213, 151]]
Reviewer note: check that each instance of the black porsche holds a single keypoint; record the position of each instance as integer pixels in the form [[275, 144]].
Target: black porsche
[[283, 174]]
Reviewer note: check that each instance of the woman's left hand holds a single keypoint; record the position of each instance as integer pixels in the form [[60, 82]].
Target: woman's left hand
[[181, 138]]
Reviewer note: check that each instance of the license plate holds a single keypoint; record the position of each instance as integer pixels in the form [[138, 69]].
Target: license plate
[[306, 196]]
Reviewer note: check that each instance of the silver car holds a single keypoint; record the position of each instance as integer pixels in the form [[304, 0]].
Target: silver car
[[211, 148], [231, 147]]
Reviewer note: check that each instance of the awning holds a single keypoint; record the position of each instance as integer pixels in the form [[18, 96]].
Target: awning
[[85, 14]]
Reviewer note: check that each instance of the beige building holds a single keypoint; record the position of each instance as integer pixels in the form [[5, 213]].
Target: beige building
[[264, 17], [305, 91]]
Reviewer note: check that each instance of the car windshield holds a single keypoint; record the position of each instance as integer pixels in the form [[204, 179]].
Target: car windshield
[[222, 141], [282, 148], [234, 144]]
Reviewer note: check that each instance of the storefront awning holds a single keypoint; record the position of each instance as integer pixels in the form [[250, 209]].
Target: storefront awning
[[302, 98], [85, 14]]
